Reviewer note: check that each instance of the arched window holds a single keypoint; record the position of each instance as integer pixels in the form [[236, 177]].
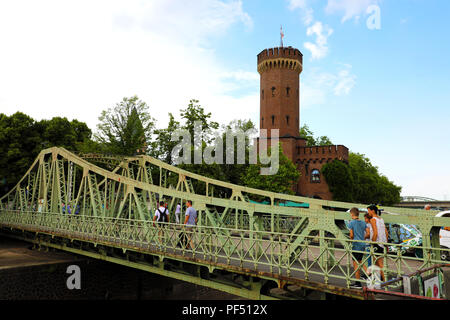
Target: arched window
[[315, 176], [287, 120], [273, 120], [287, 91], [262, 122], [273, 91], [262, 94]]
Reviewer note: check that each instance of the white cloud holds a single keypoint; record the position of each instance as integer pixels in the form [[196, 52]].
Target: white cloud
[[306, 10], [187, 21], [350, 9], [316, 86], [241, 75], [319, 49], [75, 59], [294, 4], [345, 81]]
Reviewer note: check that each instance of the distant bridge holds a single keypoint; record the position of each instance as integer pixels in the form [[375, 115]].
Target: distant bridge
[[248, 242], [420, 202]]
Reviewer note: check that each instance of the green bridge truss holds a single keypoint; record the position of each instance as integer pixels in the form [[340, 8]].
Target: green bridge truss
[[248, 242]]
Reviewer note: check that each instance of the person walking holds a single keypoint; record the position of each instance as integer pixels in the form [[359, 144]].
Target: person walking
[[380, 236], [357, 232], [161, 215], [190, 221], [177, 213]]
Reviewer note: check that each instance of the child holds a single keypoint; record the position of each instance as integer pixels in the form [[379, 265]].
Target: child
[[357, 232]]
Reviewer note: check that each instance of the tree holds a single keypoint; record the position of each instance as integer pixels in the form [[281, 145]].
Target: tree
[[307, 134], [20, 143], [339, 180], [196, 113], [234, 172], [281, 182], [360, 181], [61, 132], [164, 144], [22, 138], [372, 187], [126, 128]]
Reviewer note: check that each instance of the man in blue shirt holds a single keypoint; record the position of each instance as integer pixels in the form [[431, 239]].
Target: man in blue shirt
[[357, 232], [190, 221]]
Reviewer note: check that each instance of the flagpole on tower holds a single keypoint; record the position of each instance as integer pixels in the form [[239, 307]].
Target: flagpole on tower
[[281, 36]]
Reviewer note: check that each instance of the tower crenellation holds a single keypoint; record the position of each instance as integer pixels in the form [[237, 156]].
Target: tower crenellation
[[289, 58]]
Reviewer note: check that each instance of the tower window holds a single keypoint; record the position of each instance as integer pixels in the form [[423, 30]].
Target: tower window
[[315, 176], [273, 120], [273, 91], [287, 91], [262, 94], [287, 120], [262, 122]]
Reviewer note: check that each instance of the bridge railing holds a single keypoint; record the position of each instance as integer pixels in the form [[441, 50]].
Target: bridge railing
[[272, 255]]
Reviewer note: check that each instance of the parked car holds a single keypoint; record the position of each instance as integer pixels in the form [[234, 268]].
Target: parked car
[[444, 236]]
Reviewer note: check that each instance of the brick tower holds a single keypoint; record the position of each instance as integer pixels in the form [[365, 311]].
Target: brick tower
[[279, 70]]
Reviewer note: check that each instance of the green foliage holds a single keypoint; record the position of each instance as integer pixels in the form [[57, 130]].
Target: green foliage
[[22, 138], [307, 134], [360, 181], [339, 180], [20, 142], [126, 128], [372, 186], [193, 113], [164, 145], [234, 172], [281, 182], [61, 132]]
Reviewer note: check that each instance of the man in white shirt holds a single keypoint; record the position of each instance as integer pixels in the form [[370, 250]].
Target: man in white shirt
[[161, 215], [177, 213]]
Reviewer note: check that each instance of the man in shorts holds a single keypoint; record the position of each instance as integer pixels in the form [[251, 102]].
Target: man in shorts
[[357, 232], [190, 221]]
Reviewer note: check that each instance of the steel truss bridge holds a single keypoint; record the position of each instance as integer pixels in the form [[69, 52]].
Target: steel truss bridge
[[248, 242]]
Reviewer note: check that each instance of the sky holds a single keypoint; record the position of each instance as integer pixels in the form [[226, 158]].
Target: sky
[[375, 72]]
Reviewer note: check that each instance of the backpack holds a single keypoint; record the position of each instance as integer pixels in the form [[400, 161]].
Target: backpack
[[163, 215]]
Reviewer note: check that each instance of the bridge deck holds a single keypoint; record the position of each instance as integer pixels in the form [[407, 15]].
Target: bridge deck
[[306, 266]]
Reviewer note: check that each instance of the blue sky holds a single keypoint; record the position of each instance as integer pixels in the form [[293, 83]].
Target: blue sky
[[381, 92]]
